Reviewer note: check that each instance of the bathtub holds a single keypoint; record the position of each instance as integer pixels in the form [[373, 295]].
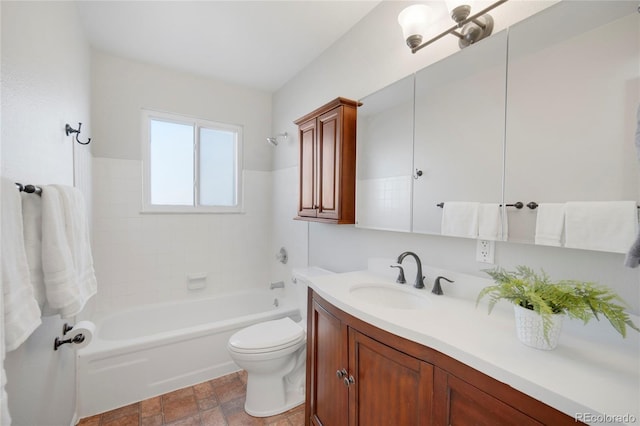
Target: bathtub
[[140, 353]]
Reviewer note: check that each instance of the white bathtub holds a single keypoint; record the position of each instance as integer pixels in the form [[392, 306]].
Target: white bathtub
[[141, 353]]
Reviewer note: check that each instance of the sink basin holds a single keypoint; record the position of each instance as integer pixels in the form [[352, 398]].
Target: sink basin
[[388, 297]]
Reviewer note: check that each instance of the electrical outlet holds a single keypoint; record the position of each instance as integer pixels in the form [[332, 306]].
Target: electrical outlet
[[485, 251]]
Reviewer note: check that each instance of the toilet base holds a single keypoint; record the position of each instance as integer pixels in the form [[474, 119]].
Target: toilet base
[[292, 400]]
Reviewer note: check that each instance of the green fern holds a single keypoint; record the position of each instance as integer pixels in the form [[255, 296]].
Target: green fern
[[576, 299]]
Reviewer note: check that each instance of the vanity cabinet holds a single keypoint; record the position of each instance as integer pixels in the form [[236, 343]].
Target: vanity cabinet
[[351, 376], [327, 163], [358, 374]]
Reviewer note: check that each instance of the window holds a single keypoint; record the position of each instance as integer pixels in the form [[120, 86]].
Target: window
[[191, 165]]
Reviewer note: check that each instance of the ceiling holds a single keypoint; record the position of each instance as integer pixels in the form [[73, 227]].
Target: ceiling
[[258, 44]]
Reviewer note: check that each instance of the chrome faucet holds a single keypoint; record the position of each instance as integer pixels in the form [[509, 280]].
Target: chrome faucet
[[419, 283], [279, 284]]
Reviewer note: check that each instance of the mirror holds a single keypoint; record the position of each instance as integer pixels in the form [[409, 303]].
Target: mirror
[[459, 131], [572, 97], [384, 158]]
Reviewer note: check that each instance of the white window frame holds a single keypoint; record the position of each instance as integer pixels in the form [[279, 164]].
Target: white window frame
[[147, 207]]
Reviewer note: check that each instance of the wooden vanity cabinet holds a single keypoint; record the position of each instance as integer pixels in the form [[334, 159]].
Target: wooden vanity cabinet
[[328, 163], [353, 379], [358, 374]]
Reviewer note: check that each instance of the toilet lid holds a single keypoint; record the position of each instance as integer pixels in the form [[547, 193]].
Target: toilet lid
[[267, 336]]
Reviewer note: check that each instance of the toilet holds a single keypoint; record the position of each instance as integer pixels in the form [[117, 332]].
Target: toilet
[[273, 353]]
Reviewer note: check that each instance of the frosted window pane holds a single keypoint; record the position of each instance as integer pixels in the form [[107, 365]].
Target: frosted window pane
[[217, 167], [171, 163]]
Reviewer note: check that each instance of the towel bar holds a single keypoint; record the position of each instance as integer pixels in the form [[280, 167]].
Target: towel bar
[[30, 189]]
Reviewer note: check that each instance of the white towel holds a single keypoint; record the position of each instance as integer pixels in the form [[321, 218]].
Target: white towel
[[601, 225], [490, 222], [5, 418], [32, 221], [549, 224], [460, 219], [66, 251], [21, 311]]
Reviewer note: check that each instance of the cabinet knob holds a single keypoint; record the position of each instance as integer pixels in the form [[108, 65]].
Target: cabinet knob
[[348, 381], [341, 373]]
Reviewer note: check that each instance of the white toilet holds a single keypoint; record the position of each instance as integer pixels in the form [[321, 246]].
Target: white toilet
[[274, 355]]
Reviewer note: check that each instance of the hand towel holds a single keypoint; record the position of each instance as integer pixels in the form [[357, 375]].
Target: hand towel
[[638, 133], [601, 225], [490, 222], [79, 240], [67, 263], [32, 222], [549, 224], [21, 311], [632, 260], [460, 219]]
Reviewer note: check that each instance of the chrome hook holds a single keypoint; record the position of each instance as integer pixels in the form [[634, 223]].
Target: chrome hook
[[68, 130]]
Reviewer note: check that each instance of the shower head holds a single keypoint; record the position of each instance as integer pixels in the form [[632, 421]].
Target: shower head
[[273, 140]]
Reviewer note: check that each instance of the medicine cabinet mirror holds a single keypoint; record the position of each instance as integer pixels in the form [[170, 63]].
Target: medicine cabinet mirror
[[384, 157], [543, 112], [572, 97], [459, 131]]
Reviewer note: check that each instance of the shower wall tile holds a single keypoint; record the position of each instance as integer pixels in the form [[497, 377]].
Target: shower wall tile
[[146, 258]]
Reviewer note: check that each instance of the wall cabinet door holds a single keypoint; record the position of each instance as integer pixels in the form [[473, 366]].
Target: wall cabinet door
[[572, 98], [327, 163], [308, 187]]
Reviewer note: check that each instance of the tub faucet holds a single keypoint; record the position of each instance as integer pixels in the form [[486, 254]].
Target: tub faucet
[[279, 284], [419, 283]]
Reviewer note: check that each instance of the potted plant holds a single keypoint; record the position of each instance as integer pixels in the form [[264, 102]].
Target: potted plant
[[539, 304]]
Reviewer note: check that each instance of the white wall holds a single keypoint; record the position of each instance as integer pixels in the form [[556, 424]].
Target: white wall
[[145, 258], [45, 84], [371, 56]]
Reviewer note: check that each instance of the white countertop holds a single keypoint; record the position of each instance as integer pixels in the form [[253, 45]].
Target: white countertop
[[593, 372]]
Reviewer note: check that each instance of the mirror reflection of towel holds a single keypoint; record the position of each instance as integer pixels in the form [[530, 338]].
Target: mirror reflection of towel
[[633, 257]]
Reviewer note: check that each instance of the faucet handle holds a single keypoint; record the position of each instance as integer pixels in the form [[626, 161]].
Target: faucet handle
[[400, 279], [437, 289]]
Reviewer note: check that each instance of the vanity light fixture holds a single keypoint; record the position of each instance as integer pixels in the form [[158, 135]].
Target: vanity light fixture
[[273, 140], [468, 28]]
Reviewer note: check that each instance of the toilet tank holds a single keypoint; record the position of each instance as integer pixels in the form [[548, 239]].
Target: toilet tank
[[300, 279]]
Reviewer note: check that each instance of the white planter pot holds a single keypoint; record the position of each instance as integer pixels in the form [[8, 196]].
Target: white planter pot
[[530, 331]]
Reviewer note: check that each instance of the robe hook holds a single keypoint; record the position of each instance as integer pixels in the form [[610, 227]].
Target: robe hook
[[68, 130]]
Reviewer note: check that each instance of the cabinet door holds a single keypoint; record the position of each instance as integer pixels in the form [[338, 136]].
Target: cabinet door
[[308, 187], [328, 394], [390, 387], [459, 403], [572, 99], [329, 150], [459, 131]]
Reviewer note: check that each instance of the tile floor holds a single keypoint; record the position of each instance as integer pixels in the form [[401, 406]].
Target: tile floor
[[218, 402]]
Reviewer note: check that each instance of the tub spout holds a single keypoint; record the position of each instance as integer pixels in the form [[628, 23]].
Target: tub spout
[[279, 284]]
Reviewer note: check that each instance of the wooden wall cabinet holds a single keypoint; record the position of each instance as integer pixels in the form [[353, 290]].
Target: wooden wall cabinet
[[358, 374], [328, 163]]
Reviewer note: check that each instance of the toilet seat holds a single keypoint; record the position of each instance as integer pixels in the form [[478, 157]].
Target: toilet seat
[[268, 336]]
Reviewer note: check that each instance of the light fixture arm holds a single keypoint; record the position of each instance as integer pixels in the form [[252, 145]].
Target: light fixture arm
[[473, 18]]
